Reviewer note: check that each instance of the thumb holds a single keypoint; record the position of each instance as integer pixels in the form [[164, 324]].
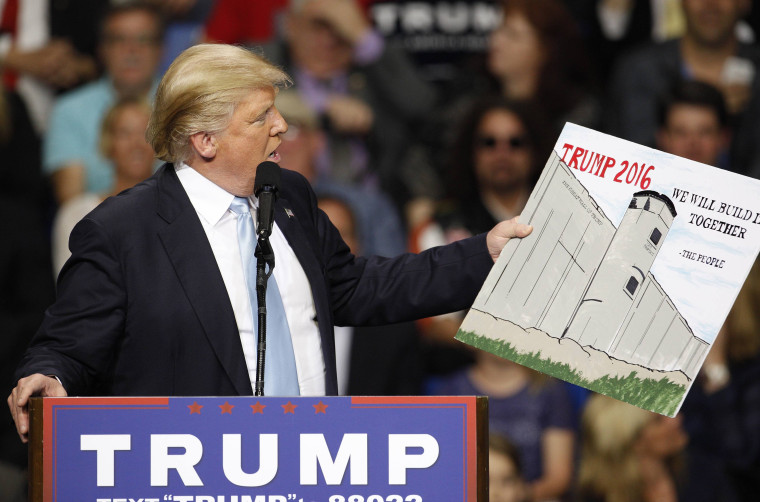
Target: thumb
[[499, 235]]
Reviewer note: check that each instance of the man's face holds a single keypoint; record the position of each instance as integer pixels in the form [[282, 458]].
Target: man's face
[[315, 45], [711, 22], [131, 50], [693, 132], [503, 156], [251, 138]]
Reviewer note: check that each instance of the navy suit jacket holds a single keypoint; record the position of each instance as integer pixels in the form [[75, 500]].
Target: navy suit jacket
[[142, 308]]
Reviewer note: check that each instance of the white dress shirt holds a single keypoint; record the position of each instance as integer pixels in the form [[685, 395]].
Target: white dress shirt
[[212, 203]]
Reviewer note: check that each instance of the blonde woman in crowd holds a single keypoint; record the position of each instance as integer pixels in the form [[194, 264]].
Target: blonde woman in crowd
[[505, 479], [628, 454], [123, 142]]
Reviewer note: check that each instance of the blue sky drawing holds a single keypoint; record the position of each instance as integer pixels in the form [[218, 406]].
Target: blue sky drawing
[[702, 293]]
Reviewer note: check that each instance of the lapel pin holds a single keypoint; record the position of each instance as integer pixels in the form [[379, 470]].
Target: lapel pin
[[289, 212]]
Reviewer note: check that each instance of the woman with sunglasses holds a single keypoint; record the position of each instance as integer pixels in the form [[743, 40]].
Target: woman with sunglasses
[[492, 162]]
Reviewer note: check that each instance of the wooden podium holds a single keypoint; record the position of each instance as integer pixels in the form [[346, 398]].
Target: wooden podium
[[249, 449]]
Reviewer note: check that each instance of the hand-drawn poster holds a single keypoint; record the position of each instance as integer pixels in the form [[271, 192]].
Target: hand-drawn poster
[[635, 259]]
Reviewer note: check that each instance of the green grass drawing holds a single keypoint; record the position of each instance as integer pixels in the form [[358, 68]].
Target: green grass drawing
[[661, 396]]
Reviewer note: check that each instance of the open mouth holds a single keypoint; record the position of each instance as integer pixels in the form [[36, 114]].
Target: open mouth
[[274, 156]]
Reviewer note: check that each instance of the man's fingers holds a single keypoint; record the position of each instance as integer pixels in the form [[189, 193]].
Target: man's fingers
[[512, 228], [20, 415], [18, 401], [499, 235]]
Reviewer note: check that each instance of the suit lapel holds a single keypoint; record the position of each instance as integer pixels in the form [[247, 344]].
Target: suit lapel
[[188, 248]]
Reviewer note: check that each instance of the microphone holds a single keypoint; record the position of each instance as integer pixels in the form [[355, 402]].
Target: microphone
[[265, 188]]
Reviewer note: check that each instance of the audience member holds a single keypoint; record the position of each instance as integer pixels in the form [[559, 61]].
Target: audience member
[[35, 61], [130, 47], [628, 454], [505, 481], [495, 157], [533, 410], [491, 165], [122, 141], [709, 51], [366, 93], [692, 123], [383, 231], [537, 54], [722, 410], [371, 360]]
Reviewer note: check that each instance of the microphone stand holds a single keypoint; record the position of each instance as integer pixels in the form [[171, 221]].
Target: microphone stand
[[264, 256]]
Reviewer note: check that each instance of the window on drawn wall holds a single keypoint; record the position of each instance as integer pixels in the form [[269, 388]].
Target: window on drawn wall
[[655, 237], [633, 283]]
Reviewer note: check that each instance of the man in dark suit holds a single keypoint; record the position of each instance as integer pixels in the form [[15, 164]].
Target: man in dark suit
[[154, 301]]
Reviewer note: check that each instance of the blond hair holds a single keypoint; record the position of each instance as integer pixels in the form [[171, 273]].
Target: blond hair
[[609, 467], [199, 93], [109, 120]]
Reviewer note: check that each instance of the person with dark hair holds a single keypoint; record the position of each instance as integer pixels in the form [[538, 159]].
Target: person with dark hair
[[494, 160], [709, 51], [492, 165], [538, 54], [535, 55], [131, 39], [692, 123]]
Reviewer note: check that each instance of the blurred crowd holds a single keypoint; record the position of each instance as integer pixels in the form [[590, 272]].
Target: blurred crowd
[[417, 123]]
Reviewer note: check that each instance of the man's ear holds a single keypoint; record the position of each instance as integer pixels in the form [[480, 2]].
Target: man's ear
[[204, 144]]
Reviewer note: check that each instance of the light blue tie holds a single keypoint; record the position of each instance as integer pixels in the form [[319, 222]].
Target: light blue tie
[[280, 374]]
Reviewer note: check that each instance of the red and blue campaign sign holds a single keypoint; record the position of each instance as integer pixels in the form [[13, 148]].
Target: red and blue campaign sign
[[248, 449]]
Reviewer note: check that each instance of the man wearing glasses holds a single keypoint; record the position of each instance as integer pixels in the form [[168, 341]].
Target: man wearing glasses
[[130, 48]]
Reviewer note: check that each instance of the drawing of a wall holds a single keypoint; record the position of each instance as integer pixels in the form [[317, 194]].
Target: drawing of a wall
[[616, 284], [584, 279]]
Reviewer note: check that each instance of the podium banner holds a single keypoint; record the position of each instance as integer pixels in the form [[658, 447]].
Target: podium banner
[[253, 449]]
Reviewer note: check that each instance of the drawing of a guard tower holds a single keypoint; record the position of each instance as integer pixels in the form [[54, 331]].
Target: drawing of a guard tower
[[618, 281]]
